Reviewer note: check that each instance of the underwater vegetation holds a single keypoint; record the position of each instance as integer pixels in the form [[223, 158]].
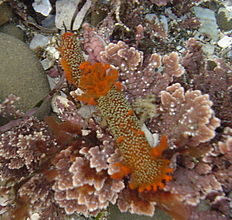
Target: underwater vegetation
[[140, 113]]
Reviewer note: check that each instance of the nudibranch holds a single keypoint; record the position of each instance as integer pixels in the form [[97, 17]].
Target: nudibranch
[[147, 168], [71, 57]]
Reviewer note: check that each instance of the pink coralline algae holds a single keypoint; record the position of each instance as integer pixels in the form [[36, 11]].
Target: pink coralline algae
[[68, 112], [8, 108], [83, 184], [133, 66], [193, 57], [81, 180], [23, 148], [140, 76], [25, 152], [144, 203], [206, 215], [38, 196], [221, 157], [203, 179], [120, 55], [192, 187], [93, 43], [189, 112], [225, 146], [213, 73], [133, 202]]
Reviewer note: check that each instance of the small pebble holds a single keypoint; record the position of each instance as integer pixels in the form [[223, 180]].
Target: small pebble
[[39, 41], [42, 6], [225, 42]]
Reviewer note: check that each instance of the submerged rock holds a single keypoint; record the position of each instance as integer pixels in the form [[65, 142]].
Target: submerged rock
[[225, 42], [224, 18], [21, 74], [116, 214], [12, 30], [208, 22], [65, 10], [39, 41], [5, 13], [42, 6]]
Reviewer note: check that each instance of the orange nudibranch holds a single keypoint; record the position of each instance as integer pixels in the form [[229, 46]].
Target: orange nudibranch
[[71, 57], [147, 168]]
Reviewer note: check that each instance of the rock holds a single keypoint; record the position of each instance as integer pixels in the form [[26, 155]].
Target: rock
[[39, 41], [225, 42], [49, 22], [65, 10], [208, 22], [116, 214], [224, 19], [5, 13], [47, 63], [53, 52], [22, 74], [42, 6], [12, 30]]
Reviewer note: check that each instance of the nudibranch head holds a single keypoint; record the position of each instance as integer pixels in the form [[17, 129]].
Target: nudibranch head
[[67, 34], [67, 41], [96, 80]]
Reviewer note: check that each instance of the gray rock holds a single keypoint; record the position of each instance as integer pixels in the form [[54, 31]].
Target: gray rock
[[39, 41], [224, 18], [65, 10], [5, 13], [208, 22], [42, 6], [116, 214], [12, 30], [21, 74]]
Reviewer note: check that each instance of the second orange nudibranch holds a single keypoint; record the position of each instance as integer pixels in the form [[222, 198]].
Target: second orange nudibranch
[[147, 168]]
